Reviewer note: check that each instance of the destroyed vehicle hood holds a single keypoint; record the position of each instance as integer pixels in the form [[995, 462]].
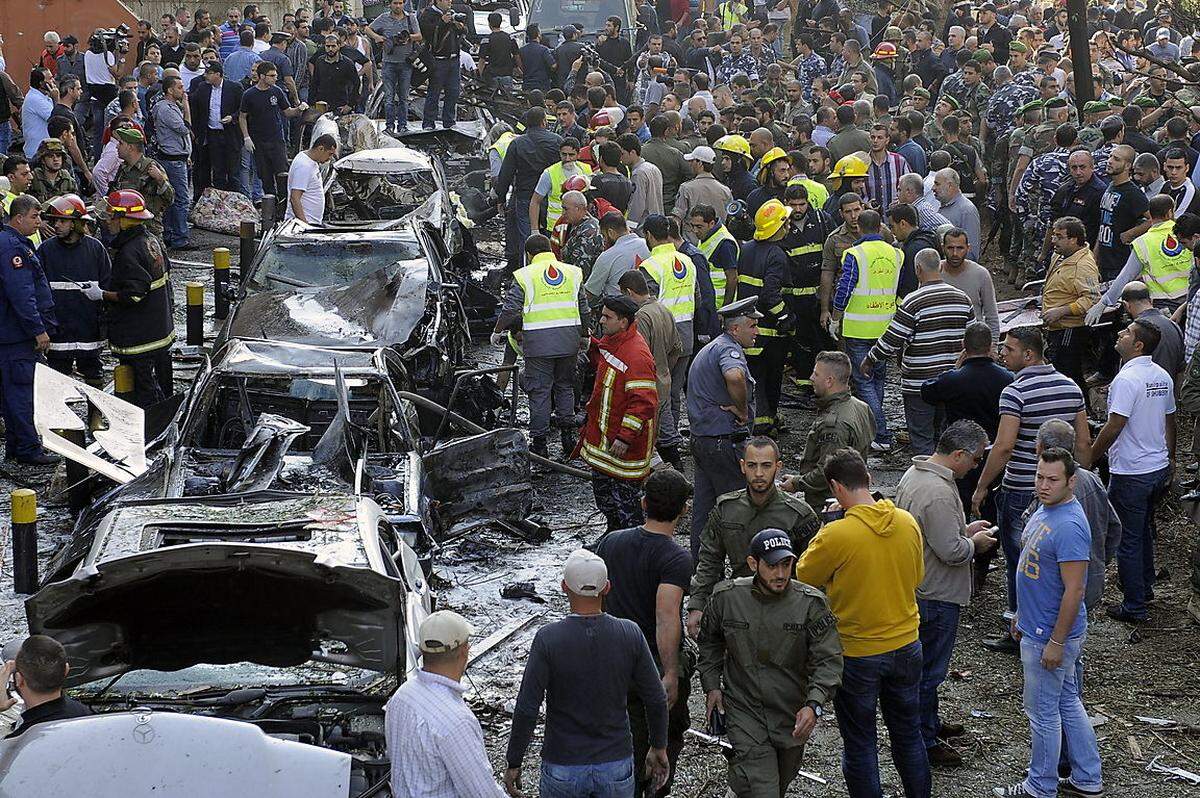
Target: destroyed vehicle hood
[[140, 752], [385, 161], [220, 603], [377, 310]]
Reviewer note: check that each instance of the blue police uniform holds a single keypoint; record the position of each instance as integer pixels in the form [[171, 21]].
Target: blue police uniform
[[716, 434], [26, 311]]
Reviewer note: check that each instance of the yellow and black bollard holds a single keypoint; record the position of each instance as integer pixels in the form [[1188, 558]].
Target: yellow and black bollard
[[220, 283], [123, 382], [24, 540], [195, 314], [77, 489]]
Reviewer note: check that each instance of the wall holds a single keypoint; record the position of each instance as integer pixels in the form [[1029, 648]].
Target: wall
[[24, 22]]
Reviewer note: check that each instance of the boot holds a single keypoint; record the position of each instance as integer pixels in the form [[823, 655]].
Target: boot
[[672, 456], [567, 439], [539, 446]]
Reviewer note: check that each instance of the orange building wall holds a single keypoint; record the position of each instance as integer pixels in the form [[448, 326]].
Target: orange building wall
[[23, 22]]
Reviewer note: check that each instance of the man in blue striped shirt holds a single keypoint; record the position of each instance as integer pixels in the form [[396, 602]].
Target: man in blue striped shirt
[[1039, 393]]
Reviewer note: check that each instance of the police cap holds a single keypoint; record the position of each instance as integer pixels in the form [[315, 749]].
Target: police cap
[[743, 307], [772, 546]]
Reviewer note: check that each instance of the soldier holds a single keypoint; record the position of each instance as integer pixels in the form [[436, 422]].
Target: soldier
[[1090, 135], [50, 177], [946, 105], [997, 121], [843, 421], [975, 94], [1018, 62], [141, 173], [741, 514], [1035, 194], [773, 674]]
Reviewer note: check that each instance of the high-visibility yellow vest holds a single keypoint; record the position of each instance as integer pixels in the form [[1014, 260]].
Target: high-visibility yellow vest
[[708, 246], [6, 205], [873, 302], [500, 145], [731, 13], [676, 278], [551, 290], [558, 176], [818, 195], [1166, 262]]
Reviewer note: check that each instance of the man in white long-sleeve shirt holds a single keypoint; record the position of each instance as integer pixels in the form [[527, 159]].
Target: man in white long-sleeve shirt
[[435, 742]]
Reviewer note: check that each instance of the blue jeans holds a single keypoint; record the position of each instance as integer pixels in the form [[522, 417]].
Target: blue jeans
[[924, 423], [1010, 505], [397, 77], [248, 181], [870, 390], [444, 79], [891, 681], [939, 628], [603, 780], [1055, 710], [1131, 495], [175, 223]]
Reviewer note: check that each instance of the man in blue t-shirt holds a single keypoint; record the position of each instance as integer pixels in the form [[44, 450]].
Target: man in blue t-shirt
[[264, 105], [1051, 626]]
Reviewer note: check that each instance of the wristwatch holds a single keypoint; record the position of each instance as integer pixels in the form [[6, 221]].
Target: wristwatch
[[817, 709]]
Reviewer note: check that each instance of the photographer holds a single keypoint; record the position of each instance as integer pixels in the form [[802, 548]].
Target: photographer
[[38, 673], [443, 32], [101, 68], [398, 32]]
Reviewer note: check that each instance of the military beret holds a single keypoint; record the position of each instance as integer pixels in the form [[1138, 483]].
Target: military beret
[[130, 135], [922, 92], [1095, 107], [1017, 46], [1145, 102], [981, 55], [950, 101], [1032, 105], [1056, 102]]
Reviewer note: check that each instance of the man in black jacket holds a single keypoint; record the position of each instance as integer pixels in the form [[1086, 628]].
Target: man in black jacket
[[334, 79], [903, 220], [38, 671], [528, 156], [218, 148], [442, 31]]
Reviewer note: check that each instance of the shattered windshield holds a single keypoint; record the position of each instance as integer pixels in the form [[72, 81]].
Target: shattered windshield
[[205, 677], [334, 262], [588, 14]]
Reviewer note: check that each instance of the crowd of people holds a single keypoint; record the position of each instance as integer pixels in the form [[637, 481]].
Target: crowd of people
[[742, 209]]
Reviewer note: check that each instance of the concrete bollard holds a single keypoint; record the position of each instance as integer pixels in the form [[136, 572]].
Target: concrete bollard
[[195, 314], [220, 283], [24, 540]]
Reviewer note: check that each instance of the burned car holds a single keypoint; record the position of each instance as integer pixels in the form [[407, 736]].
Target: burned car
[[386, 183], [364, 286], [291, 612]]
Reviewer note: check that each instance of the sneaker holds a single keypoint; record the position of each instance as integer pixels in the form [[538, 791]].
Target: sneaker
[[876, 446], [1065, 787], [948, 730], [1119, 613], [1004, 645], [1012, 791], [944, 755]]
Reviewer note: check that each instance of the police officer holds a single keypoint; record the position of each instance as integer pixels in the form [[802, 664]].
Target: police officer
[[140, 173], [51, 178], [739, 515], [73, 260], [137, 297], [1034, 194], [720, 405], [26, 321], [842, 421], [763, 273], [808, 227], [547, 299], [770, 659]]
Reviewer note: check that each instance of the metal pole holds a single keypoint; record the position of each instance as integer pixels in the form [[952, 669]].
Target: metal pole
[[220, 283], [195, 314], [24, 540], [267, 211], [246, 249], [1081, 57]]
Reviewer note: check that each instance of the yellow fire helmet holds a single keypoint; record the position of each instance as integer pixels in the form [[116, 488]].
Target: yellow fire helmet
[[769, 157], [849, 166], [769, 219], [734, 144]]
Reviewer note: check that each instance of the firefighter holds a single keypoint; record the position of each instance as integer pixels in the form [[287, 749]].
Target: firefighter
[[773, 177], [74, 260], [808, 228], [137, 299], [763, 273]]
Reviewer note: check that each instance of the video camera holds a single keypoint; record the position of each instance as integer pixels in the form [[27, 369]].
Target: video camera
[[110, 39]]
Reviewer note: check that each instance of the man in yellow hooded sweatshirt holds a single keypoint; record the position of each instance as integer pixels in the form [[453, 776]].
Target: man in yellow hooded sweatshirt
[[869, 564]]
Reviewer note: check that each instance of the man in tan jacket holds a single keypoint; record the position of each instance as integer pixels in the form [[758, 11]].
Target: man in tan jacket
[[1071, 287], [657, 326]]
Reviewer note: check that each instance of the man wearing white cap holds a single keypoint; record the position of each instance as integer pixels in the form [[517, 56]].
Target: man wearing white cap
[[703, 189], [585, 666], [435, 742], [1163, 48]]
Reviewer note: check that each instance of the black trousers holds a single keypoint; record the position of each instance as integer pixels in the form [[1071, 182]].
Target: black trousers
[[153, 376], [767, 369], [809, 337], [87, 361], [678, 722], [217, 164], [1066, 349], [271, 161]]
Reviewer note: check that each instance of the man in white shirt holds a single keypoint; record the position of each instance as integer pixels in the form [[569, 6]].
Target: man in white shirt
[[1139, 438], [435, 743], [306, 192]]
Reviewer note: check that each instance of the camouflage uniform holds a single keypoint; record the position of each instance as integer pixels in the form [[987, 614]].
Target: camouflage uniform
[[158, 196], [1013, 145], [953, 86], [1040, 140], [1028, 77], [975, 100], [1043, 177], [1100, 156], [1090, 137], [46, 188], [1000, 116]]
